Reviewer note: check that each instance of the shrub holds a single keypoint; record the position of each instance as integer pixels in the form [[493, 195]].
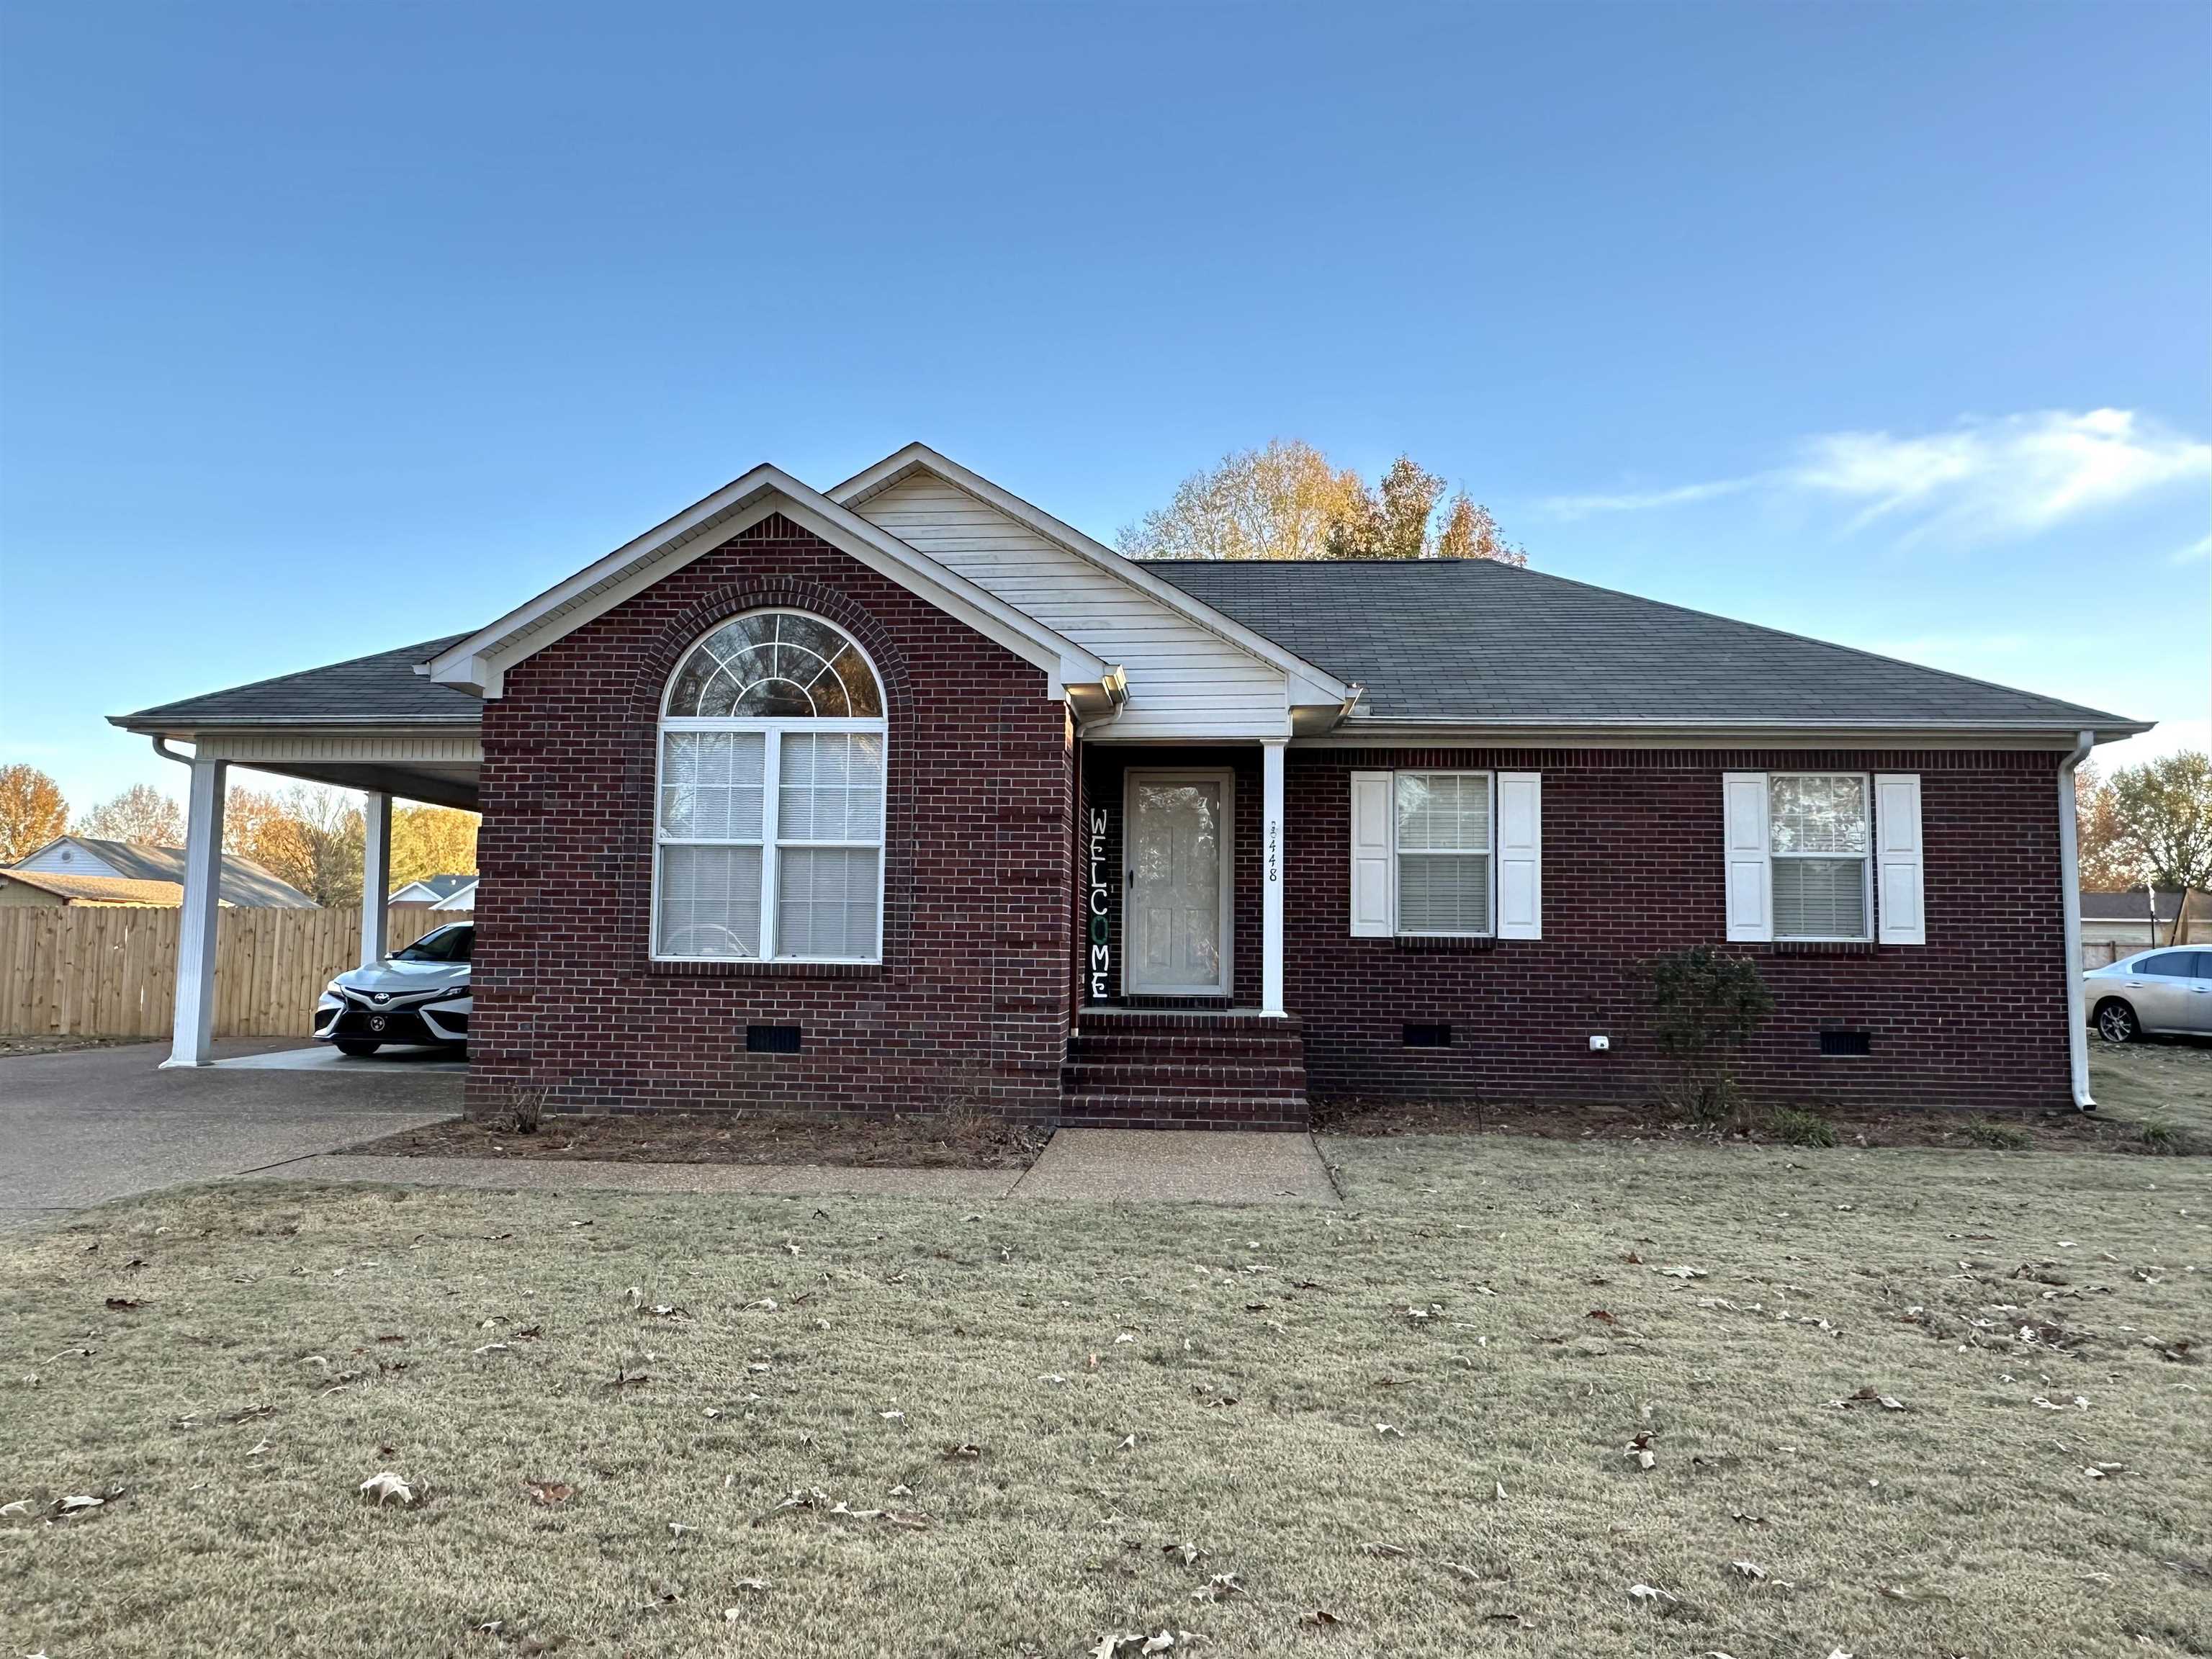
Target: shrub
[[2159, 1136], [1997, 1137], [1705, 1005], [1795, 1129], [522, 1109]]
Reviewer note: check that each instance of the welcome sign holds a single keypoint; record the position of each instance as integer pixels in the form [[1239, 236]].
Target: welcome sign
[[1101, 893]]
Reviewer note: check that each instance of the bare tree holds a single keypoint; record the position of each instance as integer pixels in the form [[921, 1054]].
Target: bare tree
[[1287, 502], [140, 813], [1272, 503]]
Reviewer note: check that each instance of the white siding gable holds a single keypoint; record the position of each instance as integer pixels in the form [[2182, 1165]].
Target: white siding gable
[[67, 856], [1184, 679]]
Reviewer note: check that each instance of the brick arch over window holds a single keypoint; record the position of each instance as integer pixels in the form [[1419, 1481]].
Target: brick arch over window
[[658, 664]]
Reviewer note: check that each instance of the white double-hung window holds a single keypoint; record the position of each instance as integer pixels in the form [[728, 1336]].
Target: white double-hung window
[[1824, 857], [768, 830], [1446, 854]]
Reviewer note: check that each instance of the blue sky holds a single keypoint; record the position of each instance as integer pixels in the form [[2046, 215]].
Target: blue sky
[[325, 329]]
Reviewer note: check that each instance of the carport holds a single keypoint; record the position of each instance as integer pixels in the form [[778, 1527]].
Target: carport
[[376, 724]]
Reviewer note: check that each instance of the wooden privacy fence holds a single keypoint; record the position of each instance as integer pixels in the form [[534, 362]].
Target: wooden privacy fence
[[111, 970]]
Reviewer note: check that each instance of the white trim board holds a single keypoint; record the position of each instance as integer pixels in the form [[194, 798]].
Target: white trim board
[[480, 661]]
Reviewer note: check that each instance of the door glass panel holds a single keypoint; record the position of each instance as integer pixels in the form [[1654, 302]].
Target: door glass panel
[[1177, 854]]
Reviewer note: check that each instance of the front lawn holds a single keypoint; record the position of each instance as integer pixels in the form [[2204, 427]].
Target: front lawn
[[1420, 1416]]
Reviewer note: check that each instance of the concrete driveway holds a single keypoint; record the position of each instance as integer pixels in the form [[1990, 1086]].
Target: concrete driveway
[[91, 1124]]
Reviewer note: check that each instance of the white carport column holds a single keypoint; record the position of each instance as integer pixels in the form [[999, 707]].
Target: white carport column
[[1270, 873], [376, 876], [196, 932]]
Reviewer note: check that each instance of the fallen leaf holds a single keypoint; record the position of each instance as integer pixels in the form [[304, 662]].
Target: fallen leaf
[[549, 1493], [386, 1486], [1321, 1618]]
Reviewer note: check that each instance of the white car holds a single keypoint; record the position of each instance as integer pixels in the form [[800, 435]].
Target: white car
[[2151, 994], [416, 995]]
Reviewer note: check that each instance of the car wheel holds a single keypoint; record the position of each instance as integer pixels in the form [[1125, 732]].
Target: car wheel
[[2117, 1022], [359, 1050]]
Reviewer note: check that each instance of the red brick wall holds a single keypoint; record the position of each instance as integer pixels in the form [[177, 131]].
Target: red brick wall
[[1632, 865], [970, 1003]]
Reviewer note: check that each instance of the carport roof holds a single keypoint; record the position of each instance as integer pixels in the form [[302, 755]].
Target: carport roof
[[381, 690]]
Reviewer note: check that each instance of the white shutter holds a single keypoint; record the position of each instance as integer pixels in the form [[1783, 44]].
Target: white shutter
[[1520, 855], [1373, 915], [1899, 887], [1750, 879]]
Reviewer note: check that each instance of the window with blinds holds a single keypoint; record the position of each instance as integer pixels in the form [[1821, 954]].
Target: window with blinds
[[1817, 829], [1443, 849], [768, 834]]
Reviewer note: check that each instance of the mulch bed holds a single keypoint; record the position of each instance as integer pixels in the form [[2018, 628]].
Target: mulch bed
[[961, 1141], [2052, 1131]]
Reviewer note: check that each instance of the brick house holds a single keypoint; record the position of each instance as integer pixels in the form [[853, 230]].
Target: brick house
[[907, 795]]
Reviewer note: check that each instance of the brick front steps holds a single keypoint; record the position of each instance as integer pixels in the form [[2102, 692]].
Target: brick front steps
[[1148, 1068]]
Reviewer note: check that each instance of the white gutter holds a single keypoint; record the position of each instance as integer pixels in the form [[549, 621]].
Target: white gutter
[[2069, 877]]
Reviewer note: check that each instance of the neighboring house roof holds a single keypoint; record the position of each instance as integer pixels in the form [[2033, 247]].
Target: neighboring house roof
[[379, 689], [461, 898], [99, 890], [1473, 641], [244, 882], [2130, 907], [433, 889]]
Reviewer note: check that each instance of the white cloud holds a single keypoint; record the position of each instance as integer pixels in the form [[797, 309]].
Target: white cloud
[[2199, 549], [2013, 475], [2021, 474], [1575, 507]]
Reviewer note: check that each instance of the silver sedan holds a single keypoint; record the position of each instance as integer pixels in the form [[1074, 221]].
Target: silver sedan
[[416, 995], [2151, 994]]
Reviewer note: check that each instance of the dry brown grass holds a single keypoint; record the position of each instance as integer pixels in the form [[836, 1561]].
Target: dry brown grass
[[1264, 1347]]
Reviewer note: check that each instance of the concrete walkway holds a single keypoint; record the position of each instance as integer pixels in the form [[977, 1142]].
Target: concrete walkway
[[1097, 1166]]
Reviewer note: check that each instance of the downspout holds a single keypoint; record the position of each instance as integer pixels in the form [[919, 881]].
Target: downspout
[[2069, 876], [162, 748]]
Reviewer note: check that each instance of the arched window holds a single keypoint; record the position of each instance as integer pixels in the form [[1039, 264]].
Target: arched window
[[768, 835]]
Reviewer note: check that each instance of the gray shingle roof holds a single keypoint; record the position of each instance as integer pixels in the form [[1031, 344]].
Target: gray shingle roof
[[2130, 907], [382, 690], [245, 883], [1430, 640], [441, 886], [1475, 640]]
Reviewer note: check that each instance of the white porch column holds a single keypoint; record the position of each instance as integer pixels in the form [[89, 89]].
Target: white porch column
[[376, 876], [194, 1030], [1270, 873]]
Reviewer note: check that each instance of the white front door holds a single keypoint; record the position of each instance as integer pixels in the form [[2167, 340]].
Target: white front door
[[1175, 931]]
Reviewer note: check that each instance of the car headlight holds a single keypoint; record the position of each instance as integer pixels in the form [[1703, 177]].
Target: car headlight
[[333, 989]]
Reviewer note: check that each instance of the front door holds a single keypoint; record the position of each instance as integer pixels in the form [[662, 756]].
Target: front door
[[1176, 854]]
